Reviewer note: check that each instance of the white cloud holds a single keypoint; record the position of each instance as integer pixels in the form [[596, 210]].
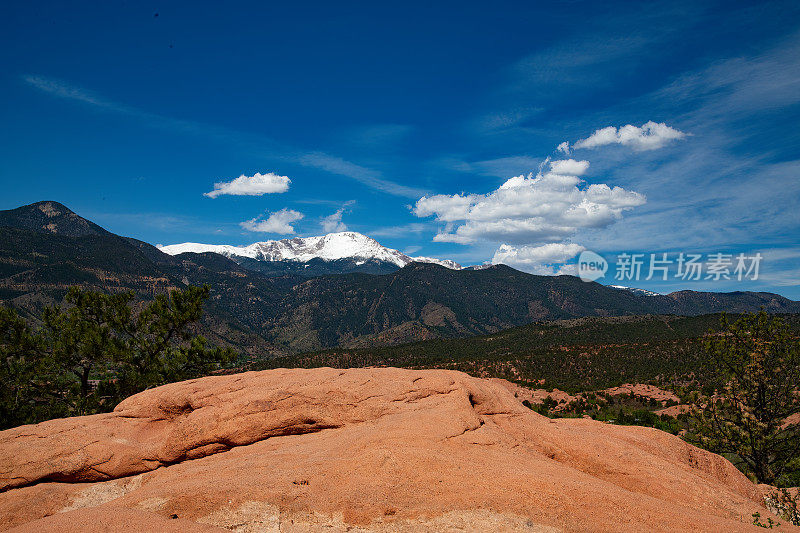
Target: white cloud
[[546, 254], [569, 167], [254, 185], [546, 260], [649, 136], [447, 208], [333, 223], [278, 222], [528, 210], [563, 148]]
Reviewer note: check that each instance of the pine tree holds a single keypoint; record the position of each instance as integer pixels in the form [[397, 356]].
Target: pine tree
[[94, 350], [756, 363], [79, 338], [23, 374], [160, 345]]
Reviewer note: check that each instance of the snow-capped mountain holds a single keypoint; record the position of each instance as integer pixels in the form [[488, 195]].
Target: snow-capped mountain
[[643, 292], [331, 247]]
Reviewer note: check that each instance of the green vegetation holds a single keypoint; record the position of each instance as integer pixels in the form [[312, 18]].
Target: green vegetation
[[94, 350], [573, 355], [622, 409], [769, 524], [754, 367]]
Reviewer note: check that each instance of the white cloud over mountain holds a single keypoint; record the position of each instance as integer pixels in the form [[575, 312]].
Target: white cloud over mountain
[[278, 222], [333, 222], [542, 208], [254, 185], [546, 254]]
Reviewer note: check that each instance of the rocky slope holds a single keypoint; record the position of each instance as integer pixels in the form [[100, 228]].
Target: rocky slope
[[361, 450]]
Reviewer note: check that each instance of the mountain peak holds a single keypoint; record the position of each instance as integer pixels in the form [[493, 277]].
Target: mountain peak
[[643, 292], [49, 217], [330, 247]]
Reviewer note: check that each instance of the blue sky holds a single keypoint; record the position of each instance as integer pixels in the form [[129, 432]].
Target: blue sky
[[407, 121]]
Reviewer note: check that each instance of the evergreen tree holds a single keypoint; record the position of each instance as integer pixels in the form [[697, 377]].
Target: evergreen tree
[[160, 346], [94, 350], [80, 339], [756, 363], [27, 393]]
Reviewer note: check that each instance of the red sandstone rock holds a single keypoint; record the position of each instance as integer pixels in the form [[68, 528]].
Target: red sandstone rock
[[364, 449]]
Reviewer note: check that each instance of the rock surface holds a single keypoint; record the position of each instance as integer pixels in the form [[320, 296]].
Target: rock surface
[[360, 450]]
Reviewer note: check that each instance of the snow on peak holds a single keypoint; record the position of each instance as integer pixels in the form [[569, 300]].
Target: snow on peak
[[452, 265], [330, 247], [644, 292]]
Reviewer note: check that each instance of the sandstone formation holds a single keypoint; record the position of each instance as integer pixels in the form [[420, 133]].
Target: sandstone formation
[[360, 450]]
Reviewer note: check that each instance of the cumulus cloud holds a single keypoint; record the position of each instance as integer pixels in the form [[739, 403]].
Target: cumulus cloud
[[649, 136], [569, 167], [278, 222], [254, 185], [447, 208], [546, 254], [541, 208], [563, 148], [333, 223], [546, 260]]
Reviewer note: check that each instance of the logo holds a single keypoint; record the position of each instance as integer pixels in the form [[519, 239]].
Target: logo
[[591, 266]]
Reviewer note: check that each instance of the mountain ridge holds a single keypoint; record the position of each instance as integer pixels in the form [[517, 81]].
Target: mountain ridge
[[43, 253]]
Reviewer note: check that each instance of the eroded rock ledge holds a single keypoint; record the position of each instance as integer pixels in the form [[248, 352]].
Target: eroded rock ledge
[[375, 449]]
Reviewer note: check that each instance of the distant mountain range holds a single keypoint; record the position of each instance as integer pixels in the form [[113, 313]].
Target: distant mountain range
[[262, 305], [345, 251]]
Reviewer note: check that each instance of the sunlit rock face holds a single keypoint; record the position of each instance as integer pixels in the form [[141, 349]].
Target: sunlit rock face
[[379, 449]]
